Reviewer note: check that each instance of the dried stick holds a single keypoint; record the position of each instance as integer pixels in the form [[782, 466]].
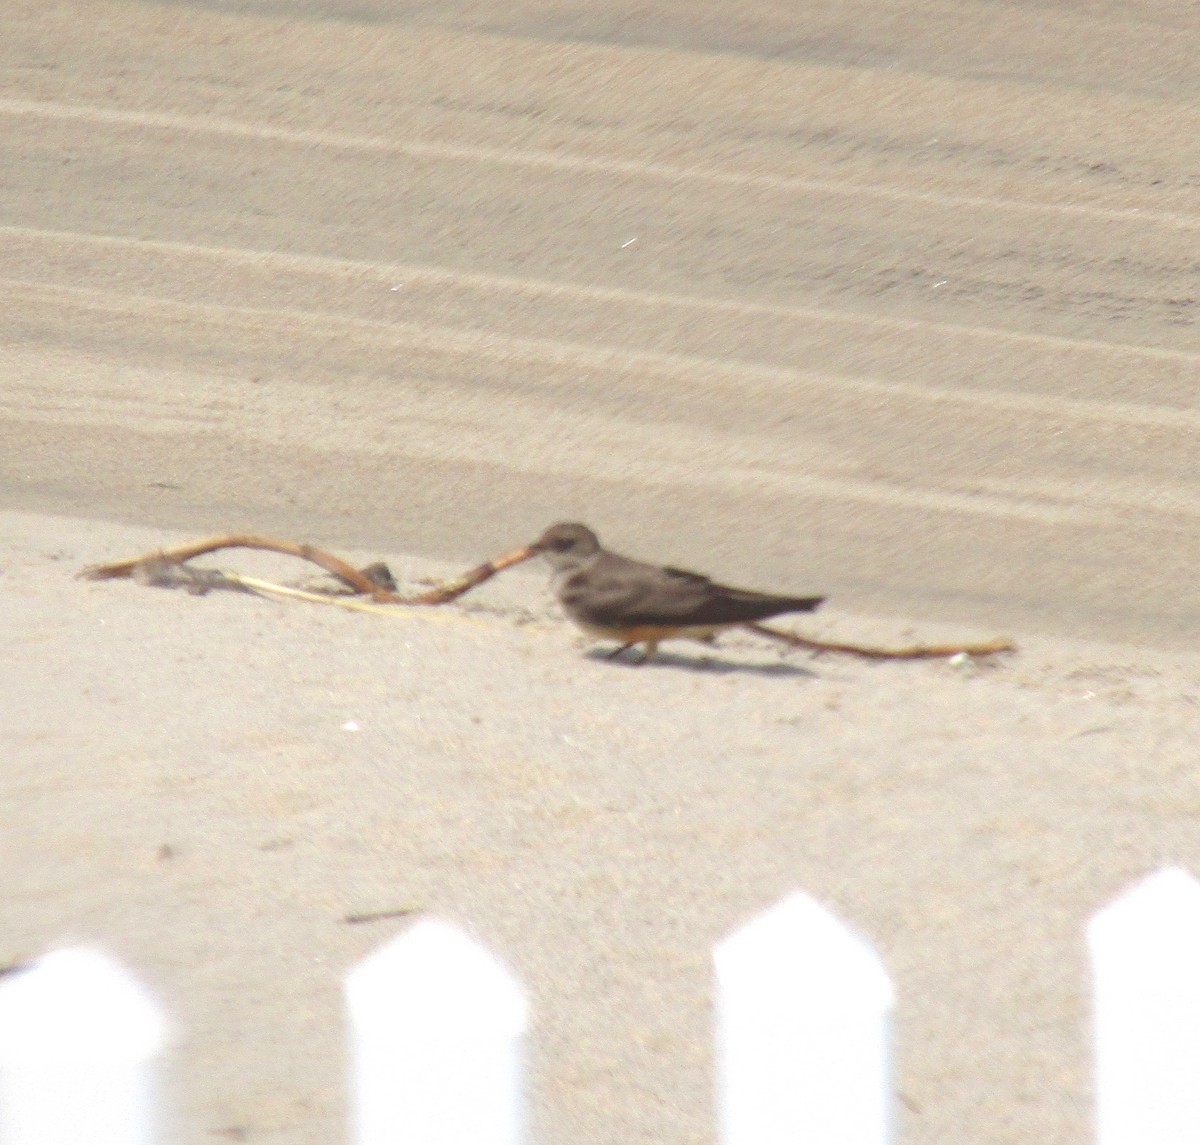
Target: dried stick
[[331, 564], [912, 652], [286, 592], [354, 578], [153, 565], [380, 915], [453, 589]]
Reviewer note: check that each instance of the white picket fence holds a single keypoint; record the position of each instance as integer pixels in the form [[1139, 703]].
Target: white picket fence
[[437, 1027]]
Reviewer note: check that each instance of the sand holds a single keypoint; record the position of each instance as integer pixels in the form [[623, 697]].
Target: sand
[[892, 301], [208, 786]]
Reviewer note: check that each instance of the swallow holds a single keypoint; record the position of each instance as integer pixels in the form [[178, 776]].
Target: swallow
[[616, 598]]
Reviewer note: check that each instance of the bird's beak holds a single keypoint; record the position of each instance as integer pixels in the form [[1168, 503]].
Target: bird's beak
[[516, 556]]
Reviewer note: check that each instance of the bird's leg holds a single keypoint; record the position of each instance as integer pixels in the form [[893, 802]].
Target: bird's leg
[[651, 647], [617, 651]]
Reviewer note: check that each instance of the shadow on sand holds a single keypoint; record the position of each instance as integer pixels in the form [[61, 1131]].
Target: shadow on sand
[[702, 662]]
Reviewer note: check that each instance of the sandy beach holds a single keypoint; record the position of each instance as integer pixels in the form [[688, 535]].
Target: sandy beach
[[207, 786], [891, 302]]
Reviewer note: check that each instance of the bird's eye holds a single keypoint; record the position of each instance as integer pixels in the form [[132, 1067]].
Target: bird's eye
[[562, 544]]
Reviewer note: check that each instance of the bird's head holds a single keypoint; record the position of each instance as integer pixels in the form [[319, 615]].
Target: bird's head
[[566, 545]]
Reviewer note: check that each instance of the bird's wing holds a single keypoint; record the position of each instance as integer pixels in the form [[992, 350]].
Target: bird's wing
[[621, 593], [615, 592]]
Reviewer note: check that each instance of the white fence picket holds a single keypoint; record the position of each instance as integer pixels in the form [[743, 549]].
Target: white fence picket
[[437, 1043], [1145, 950], [78, 1042], [437, 1027], [803, 1013]]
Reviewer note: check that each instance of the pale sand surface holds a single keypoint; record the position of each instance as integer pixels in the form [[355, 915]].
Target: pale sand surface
[[920, 327], [599, 826], [895, 301]]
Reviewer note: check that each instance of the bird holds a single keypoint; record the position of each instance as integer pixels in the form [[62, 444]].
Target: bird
[[616, 598]]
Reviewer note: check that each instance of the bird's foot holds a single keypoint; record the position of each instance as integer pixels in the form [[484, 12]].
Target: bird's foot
[[616, 652]]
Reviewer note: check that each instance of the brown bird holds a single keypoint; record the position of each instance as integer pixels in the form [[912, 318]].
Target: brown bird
[[615, 598]]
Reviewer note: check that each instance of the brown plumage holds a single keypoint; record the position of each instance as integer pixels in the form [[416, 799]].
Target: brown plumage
[[617, 598]]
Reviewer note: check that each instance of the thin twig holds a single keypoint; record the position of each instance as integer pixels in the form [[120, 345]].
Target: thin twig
[[356, 579], [380, 915], [331, 564], [911, 652], [153, 567], [353, 603], [453, 589]]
